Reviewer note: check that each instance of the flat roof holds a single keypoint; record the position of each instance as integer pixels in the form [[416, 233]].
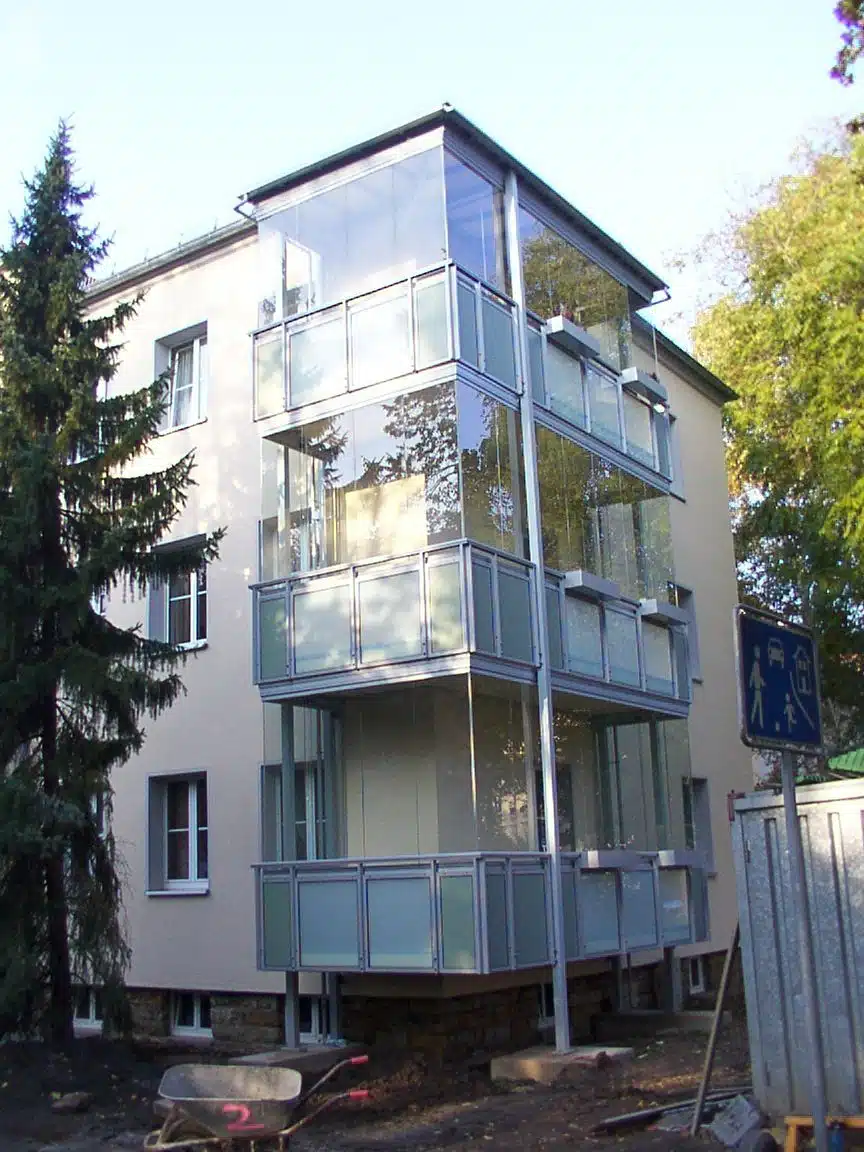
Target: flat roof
[[450, 118], [713, 384]]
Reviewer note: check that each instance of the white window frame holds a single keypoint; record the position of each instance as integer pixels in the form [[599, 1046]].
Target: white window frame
[[696, 974], [194, 882], [197, 1028], [93, 1021], [168, 351], [318, 1020], [194, 641]]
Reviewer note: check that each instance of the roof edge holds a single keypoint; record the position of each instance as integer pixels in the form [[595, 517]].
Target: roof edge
[[712, 384]]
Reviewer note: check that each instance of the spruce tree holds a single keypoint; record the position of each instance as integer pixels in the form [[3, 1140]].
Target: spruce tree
[[77, 522]]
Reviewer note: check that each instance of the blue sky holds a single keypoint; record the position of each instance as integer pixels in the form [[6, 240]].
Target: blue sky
[[654, 119]]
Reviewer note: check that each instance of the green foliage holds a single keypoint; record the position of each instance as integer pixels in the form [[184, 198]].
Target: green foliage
[[78, 518], [788, 336]]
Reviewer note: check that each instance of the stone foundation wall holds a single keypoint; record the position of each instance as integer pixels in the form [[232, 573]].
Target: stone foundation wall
[[150, 1011], [256, 1020]]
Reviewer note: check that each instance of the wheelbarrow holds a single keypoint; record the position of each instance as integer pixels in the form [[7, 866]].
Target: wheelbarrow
[[225, 1105]]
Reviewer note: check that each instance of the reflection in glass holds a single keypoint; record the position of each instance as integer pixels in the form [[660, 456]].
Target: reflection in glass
[[430, 307], [562, 281], [564, 392], [390, 617], [484, 612], [372, 231], [272, 639], [269, 389], [500, 742], [322, 627], [535, 363], [379, 336], [553, 624], [316, 359], [599, 518], [379, 480], [584, 645], [475, 223], [492, 485], [575, 751], [445, 606], [622, 647]]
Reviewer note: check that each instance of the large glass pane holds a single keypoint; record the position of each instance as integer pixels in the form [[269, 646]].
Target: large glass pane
[[363, 235], [484, 617], [269, 383], [622, 648], [317, 359], [514, 593], [458, 947], [602, 391], [576, 757], [564, 391], [498, 350], [271, 637], [653, 544], [430, 308], [553, 623], [492, 487], [390, 617], [446, 630], [562, 281], [637, 425], [658, 658], [466, 310], [501, 772], [584, 645], [475, 223], [633, 769], [322, 627], [380, 336], [567, 498], [617, 496], [400, 923]]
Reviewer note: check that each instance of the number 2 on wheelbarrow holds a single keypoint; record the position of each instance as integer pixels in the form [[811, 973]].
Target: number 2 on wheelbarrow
[[244, 1116]]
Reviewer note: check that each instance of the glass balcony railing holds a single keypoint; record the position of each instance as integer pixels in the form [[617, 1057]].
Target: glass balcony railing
[[436, 602], [613, 642], [423, 320], [478, 912]]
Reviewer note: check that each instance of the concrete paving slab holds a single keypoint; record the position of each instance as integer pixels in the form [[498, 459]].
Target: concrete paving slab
[[310, 1060], [546, 1066]]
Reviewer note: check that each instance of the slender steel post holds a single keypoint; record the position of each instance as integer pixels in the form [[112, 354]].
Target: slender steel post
[[801, 906], [289, 852], [715, 1029], [544, 676]]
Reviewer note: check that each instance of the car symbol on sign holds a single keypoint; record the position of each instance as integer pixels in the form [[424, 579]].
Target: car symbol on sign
[[775, 653]]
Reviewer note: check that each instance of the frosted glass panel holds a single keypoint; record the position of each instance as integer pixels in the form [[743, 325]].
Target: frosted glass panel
[[484, 628], [457, 923], [623, 649], [271, 636], [603, 405], [498, 341], [599, 900], [515, 615], [674, 912], [430, 306], [658, 658], [400, 923], [637, 909], [380, 336], [329, 928], [445, 606], [584, 644], [269, 394], [496, 920], [637, 425], [553, 623], [276, 911], [390, 617], [529, 919], [564, 391], [466, 306], [322, 628], [317, 359]]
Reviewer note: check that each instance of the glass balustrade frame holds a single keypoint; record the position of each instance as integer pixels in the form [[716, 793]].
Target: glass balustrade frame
[[507, 930]]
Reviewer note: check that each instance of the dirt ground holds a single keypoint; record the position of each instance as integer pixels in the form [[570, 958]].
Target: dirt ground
[[410, 1108]]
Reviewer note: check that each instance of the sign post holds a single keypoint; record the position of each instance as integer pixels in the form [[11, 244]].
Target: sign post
[[778, 696]]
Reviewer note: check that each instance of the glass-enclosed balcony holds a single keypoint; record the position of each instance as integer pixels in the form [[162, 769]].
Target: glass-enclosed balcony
[[440, 314], [472, 913], [435, 603]]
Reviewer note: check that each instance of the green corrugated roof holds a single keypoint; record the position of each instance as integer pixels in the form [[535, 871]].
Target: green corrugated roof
[[849, 764]]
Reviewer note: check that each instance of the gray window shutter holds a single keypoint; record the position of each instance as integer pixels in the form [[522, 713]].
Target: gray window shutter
[[157, 610], [155, 835]]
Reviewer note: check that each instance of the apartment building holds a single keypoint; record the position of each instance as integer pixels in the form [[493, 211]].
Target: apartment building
[[460, 695]]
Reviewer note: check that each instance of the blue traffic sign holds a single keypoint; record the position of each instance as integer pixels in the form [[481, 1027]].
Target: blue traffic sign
[[778, 685]]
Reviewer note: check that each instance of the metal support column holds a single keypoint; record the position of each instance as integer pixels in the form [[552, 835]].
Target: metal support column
[[801, 904], [289, 852], [544, 677]]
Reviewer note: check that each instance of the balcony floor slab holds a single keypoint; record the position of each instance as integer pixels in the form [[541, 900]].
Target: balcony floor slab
[[546, 1066]]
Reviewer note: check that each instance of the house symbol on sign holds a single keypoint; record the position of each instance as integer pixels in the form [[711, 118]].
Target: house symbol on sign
[[803, 672]]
